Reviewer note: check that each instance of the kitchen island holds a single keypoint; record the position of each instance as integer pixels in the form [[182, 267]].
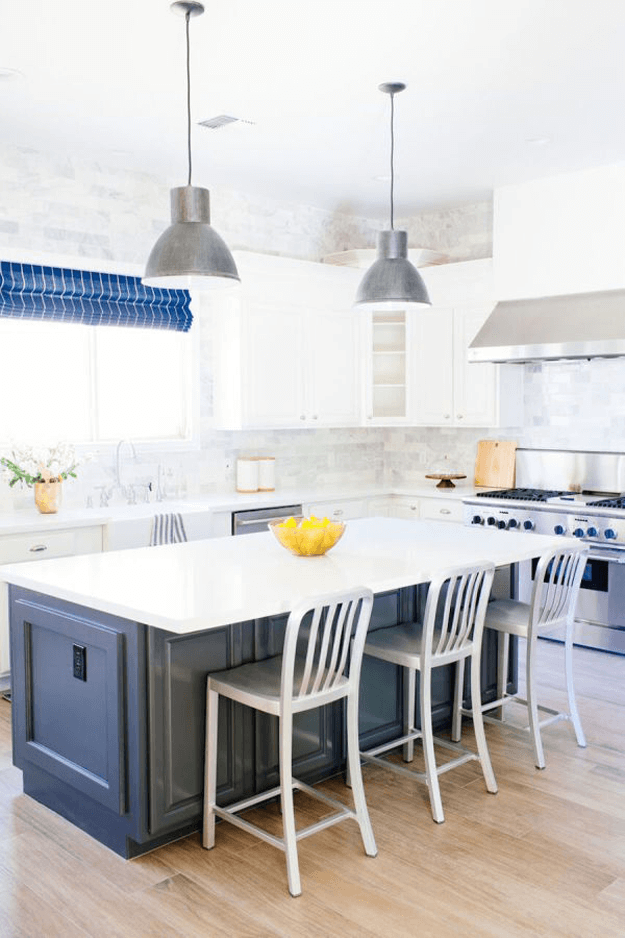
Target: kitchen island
[[110, 654]]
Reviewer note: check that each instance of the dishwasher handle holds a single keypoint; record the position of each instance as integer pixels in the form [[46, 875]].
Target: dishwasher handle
[[245, 524]]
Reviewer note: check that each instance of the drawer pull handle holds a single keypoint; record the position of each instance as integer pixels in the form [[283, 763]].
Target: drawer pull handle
[[38, 548], [337, 512], [413, 507], [445, 511]]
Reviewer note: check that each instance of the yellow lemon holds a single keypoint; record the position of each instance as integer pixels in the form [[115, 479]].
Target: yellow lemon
[[289, 523]]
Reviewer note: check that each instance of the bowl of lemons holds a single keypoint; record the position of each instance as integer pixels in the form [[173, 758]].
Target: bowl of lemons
[[307, 537]]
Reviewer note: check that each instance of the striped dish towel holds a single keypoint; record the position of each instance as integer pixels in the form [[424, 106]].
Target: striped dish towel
[[167, 529]]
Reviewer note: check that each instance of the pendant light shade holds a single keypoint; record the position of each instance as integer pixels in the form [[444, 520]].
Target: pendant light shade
[[392, 280], [190, 253]]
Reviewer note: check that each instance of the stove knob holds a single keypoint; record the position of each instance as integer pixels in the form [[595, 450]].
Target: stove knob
[[529, 525], [477, 519], [610, 533], [501, 525], [558, 529], [592, 532], [513, 523], [491, 520], [578, 532]]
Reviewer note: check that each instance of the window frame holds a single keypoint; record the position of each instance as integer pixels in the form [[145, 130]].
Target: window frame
[[105, 447]]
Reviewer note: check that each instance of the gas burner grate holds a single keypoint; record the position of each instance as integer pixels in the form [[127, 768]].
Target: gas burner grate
[[524, 495], [618, 502]]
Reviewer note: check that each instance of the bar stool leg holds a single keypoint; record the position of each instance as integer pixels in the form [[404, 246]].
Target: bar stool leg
[[286, 802], [410, 684], [355, 775], [428, 746], [478, 725], [456, 718], [570, 689], [210, 769], [532, 703], [503, 656]]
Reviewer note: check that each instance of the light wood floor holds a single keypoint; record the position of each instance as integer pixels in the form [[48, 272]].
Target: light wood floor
[[543, 857]]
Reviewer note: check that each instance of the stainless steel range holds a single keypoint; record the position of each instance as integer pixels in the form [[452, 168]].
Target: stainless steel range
[[577, 495]]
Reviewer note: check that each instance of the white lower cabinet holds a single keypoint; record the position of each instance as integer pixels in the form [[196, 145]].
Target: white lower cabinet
[[404, 507], [340, 510], [442, 509], [39, 545], [426, 508]]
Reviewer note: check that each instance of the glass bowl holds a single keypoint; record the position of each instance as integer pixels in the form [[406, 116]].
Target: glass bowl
[[308, 537]]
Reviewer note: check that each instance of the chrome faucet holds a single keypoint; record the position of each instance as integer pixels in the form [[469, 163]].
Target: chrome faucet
[[118, 474]]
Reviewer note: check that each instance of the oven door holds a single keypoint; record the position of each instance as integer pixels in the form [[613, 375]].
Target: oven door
[[600, 609]]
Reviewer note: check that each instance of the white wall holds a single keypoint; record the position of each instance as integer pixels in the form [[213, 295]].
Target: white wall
[[562, 234]]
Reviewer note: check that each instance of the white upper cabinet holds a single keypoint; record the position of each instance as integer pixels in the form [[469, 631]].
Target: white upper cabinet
[[387, 386], [448, 390], [286, 348]]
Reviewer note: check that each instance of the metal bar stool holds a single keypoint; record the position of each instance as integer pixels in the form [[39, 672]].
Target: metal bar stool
[[289, 684], [554, 594], [450, 633]]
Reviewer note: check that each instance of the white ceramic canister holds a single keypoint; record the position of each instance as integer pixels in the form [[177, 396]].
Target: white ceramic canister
[[266, 473], [247, 474]]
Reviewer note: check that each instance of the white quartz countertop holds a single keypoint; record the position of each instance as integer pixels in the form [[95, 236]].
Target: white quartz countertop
[[205, 584], [28, 520]]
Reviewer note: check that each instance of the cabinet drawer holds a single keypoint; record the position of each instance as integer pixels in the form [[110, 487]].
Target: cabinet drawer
[[15, 548], [441, 509], [339, 511], [18, 547]]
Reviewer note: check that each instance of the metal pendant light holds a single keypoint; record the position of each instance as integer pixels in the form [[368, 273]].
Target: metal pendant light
[[190, 252], [392, 280]]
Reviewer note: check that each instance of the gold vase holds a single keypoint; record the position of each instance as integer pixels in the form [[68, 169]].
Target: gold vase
[[48, 497]]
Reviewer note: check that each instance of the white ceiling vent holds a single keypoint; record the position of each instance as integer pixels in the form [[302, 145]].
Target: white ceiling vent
[[222, 120]]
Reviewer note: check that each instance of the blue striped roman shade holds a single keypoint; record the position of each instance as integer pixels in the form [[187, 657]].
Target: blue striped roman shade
[[28, 291]]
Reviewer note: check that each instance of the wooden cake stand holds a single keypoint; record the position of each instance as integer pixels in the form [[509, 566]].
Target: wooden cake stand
[[446, 478]]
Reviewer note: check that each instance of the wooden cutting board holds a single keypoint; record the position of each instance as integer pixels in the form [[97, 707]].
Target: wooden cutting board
[[495, 463]]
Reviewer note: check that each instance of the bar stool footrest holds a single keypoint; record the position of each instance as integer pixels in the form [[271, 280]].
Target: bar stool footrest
[[231, 814], [555, 715], [464, 755]]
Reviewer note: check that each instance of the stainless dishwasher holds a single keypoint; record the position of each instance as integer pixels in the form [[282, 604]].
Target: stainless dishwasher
[[257, 519]]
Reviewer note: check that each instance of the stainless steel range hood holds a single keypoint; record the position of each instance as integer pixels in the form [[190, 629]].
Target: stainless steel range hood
[[582, 325]]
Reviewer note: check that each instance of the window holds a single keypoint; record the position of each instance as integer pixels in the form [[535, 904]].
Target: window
[[67, 381]]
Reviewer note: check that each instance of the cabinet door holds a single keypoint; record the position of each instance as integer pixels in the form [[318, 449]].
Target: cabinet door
[[405, 508], [333, 369], [271, 370], [432, 367], [475, 389], [178, 666], [337, 511], [442, 509]]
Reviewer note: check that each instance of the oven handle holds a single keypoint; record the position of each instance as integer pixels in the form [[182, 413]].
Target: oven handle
[[618, 556]]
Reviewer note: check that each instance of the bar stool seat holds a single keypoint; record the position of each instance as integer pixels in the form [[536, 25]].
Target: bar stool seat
[[554, 595], [262, 681], [450, 633], [323, 672]]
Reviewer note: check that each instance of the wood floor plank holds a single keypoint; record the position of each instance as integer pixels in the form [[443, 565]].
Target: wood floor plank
[[544, 858]]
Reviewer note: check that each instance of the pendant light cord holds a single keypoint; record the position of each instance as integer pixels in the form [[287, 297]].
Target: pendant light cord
[[392, 156], [187, 18]]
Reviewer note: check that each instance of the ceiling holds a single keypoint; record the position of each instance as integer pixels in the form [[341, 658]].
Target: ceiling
[[499, 91]]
